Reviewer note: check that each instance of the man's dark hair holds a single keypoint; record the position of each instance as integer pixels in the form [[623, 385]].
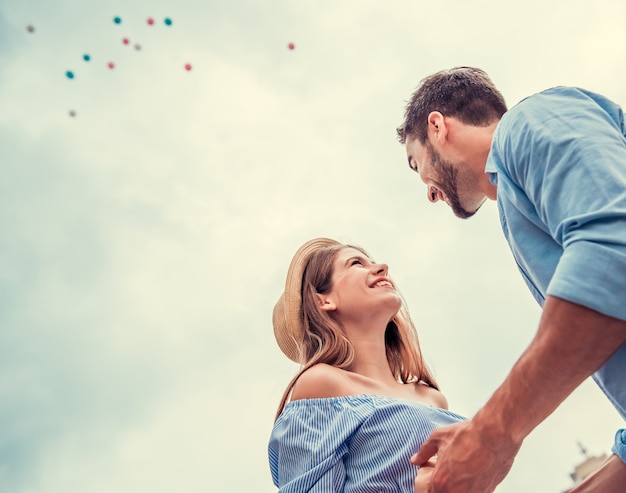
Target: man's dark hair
[[465, 93]]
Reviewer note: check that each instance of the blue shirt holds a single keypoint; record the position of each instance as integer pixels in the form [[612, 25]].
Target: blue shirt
[[351, 444], [559, 161]]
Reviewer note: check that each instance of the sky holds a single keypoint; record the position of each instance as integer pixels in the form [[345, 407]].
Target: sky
[[145, 240]]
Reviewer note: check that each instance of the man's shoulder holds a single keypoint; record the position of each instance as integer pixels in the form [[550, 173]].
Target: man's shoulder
[[531, 113], [552, 95], [561, 97]]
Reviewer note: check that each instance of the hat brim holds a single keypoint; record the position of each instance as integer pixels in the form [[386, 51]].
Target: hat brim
[[287, 315]]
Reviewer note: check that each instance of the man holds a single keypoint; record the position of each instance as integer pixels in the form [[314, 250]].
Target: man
[[556, 164]]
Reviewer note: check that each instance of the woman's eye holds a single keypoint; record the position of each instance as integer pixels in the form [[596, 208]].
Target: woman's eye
[[356, 261]]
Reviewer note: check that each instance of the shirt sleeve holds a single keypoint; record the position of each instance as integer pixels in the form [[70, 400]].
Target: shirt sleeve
[[567, 152], [308, 446], [619, 448]]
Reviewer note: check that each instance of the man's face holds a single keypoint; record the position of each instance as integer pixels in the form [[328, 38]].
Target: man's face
[[446, 181]]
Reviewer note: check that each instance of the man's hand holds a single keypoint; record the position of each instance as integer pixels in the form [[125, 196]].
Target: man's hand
[[468, 460]]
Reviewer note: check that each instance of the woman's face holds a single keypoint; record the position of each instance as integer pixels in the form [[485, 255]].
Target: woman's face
[[361, 288]]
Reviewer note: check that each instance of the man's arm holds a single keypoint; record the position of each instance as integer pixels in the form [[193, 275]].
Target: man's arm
[[571, 343]]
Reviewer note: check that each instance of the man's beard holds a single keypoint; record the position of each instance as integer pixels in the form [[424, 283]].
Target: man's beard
[[449, 183]]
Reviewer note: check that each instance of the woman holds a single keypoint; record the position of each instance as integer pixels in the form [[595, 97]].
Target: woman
[[364, 400]]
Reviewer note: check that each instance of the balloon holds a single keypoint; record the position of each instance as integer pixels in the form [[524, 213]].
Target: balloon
[[86, 57], [30, 29], [188, 66], [150, 21], [72, 113], [69, 74], [137, 46], [117, 20], [111, 65], [291, 46], [125, 41], [168, 21]]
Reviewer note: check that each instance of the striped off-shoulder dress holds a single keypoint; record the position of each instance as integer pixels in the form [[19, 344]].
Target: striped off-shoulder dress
[[358, 443]]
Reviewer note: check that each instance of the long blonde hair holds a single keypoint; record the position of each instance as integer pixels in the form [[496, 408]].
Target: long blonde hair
[[325, 341]]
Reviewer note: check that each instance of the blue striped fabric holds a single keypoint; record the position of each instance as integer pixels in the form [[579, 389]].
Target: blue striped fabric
[[359, 443]]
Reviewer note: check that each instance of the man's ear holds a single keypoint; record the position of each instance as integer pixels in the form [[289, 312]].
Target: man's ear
[[326, 303], [437, 127]]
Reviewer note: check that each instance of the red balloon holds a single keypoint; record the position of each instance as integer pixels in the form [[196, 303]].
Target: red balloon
[[111, 65], [150, 21], [291, 46], [188, 66], [125, 41]]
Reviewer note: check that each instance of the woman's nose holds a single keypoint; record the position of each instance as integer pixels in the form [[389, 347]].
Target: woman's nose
[[381, 269]]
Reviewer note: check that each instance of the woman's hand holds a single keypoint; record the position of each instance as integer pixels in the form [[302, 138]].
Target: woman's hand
[[422, 480]]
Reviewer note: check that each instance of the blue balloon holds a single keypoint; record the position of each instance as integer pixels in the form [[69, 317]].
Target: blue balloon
[[86, 57], [168, 21], [117, 20], [69, 74]]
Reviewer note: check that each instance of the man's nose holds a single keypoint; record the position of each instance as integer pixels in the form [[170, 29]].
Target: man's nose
[[433, 194]]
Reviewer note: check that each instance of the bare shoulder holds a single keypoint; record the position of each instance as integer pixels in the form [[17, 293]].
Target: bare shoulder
[[431, 396], [321, 381]]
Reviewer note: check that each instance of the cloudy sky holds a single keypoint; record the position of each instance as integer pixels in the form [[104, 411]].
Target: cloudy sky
[[145, 240]]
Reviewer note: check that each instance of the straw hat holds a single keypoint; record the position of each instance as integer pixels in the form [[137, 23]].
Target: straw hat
[[286, 318]]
